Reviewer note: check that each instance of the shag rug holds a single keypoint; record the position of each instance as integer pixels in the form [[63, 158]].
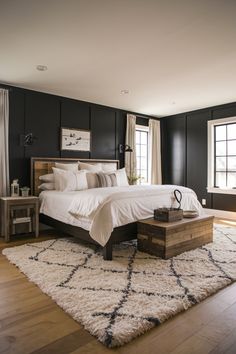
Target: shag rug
[[117, 301]]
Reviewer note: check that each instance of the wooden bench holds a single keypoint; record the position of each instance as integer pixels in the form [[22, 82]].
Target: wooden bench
[[168, 239]]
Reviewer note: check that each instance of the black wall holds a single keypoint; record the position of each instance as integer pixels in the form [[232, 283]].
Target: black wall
[[44, 114], [184, 137], [184, 152]]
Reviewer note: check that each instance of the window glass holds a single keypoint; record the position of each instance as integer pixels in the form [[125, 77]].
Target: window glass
[[220, 163], [144, 138], [232, 163], [220, 179], [231, 179], [137, 137], [232, 147], [144, 151], [231, 131], [221, 148], [143, 175], [220, 132], [143, 163]]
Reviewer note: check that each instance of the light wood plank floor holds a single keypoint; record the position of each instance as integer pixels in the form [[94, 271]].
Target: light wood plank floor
[[30, 322]]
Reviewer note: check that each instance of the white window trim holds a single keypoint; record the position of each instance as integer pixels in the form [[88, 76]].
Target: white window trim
[[144, 128], [210, 174]]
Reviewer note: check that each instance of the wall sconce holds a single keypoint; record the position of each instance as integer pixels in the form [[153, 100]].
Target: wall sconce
[[27, 139], [124, 148]]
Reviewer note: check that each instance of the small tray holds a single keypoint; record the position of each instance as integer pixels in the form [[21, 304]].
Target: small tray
[[190, 214]]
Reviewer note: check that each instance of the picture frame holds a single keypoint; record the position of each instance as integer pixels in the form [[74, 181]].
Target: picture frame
[[73, 139]]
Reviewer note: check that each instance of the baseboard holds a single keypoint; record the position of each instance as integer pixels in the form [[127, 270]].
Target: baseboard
[[221, 214]]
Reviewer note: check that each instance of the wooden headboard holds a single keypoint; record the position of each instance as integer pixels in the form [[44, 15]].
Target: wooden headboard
[[43, 165]]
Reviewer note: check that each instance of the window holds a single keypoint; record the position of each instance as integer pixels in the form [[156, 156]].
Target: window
[[222, 156], [142, 153]]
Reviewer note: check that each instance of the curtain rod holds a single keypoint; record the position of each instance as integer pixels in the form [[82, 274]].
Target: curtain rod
[[6, 88], [141, 116]]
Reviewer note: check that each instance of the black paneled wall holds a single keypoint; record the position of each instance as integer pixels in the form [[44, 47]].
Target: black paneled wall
[[103, 124], [174, 150], [184, 153], [17, 162], [75, 114], [44, 115]]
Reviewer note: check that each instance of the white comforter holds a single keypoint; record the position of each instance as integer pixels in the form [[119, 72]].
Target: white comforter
[[107, 208]]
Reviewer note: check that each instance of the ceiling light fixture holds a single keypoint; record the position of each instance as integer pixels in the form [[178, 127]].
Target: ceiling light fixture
[[124, 92], [41, 67]]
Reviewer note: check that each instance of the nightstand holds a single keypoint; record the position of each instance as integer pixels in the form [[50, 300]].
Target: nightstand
[[19, 210]]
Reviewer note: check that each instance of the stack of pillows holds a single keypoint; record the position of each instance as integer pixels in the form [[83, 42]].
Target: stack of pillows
[[80, 176]]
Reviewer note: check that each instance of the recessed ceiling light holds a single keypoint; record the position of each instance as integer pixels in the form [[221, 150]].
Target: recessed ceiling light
[[41, 67], [124, 92]]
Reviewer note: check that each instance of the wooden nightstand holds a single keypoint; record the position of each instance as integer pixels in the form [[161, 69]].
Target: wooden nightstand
[[19, 210]]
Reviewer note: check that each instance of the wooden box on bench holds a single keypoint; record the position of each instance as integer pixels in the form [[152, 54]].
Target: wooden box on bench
[[168, 214]]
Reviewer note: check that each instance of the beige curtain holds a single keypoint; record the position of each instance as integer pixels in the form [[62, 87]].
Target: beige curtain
[[4, 154], [130, 157], [155, 152]]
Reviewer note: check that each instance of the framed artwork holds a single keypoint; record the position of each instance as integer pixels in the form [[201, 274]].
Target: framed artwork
[[75, 139]]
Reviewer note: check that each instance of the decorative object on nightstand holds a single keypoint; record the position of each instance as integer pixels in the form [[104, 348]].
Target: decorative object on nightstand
[[15, 188], [19, 210], [25, 191]]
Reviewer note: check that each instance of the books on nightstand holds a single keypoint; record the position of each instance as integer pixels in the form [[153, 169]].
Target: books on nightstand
[[21, 220]]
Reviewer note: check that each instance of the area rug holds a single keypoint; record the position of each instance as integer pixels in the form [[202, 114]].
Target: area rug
[[118, 300]]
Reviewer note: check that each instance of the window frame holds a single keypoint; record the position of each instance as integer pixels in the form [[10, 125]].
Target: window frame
[[143, 128], [211, 188]]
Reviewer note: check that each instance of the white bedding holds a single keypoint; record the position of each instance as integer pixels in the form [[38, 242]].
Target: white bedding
[[56, 204], [100, 210]]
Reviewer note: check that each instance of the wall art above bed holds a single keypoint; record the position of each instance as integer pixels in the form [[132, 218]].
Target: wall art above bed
[[75, 139]]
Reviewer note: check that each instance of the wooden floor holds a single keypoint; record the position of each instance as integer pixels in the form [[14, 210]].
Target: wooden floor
[[30, 322]]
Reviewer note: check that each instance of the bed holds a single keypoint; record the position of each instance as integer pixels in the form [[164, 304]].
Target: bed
[[102, 216]]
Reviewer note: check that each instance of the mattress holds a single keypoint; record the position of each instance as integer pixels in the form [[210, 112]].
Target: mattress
[[100, 210]]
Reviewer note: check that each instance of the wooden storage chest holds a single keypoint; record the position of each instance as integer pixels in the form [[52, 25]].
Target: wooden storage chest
[[166, 240]]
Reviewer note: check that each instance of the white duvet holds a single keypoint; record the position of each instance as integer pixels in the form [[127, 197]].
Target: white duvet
[[100, 210]]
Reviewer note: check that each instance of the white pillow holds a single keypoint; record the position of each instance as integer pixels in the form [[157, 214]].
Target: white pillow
[[121, 177], [67, 166], [69, 180], [107, 179], [48, 186], [107, 167], [92, 179], [93, 168], [47, 178]]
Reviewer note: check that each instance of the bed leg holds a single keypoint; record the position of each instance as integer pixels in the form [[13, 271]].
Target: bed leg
[[107, 252]]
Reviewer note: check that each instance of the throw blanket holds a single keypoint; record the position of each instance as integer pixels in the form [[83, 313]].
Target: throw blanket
[[111, 207]]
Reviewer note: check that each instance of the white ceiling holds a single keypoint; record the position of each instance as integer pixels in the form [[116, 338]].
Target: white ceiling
[[172, 55]]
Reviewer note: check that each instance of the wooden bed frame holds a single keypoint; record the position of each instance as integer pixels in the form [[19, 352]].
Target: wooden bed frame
[[41, 166]]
